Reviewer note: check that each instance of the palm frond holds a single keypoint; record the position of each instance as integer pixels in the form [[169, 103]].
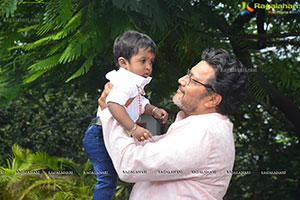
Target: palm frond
[[42, 160], [69, 164], [48, 182], [21, 157]]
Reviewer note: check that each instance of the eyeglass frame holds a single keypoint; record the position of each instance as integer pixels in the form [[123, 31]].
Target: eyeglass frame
[[207, 86]]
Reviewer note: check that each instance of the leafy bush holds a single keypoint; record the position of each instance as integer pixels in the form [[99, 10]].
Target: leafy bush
[[37, 175], [51, 121]]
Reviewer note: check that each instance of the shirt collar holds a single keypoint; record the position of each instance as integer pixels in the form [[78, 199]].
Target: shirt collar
[[132, 77]]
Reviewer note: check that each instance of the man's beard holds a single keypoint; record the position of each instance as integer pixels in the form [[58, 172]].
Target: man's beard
[[188, 106], [178, 101], [183, 106]]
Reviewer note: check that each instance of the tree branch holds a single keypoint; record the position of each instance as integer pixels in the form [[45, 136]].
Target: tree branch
[[278, 99], [260, 21], [249, 36], [215, 19], [286, 42]]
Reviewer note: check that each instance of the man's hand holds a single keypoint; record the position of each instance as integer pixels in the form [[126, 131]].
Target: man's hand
[[101, 101], [160, 113], [141, 134]]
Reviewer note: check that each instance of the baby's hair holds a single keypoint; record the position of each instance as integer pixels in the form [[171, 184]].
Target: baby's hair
[[128, 44]]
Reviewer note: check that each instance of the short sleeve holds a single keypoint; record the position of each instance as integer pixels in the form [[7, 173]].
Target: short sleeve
[[120, 95]]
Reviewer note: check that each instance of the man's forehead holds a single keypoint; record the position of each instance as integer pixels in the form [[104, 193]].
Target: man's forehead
[[202, 70]]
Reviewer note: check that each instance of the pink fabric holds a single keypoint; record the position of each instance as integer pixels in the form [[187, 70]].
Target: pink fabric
[[192, 160]]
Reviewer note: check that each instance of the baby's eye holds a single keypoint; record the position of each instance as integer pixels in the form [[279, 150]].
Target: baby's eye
[[143, 61]]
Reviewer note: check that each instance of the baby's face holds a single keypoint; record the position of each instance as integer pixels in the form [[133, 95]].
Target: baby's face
[[141, 63]]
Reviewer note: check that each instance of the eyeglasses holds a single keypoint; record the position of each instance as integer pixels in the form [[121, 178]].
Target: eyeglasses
[[208, 87]]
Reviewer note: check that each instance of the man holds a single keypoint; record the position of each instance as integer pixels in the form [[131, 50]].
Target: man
[[193, 159]]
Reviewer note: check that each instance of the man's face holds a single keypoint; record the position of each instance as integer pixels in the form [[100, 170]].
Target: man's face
[[141, 62], [191, 98]]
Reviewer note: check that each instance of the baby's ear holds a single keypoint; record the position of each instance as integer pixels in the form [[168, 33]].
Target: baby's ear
[[123, 62]]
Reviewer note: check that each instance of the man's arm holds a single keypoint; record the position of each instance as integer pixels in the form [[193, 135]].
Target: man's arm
[[102, 99], [173, 157]]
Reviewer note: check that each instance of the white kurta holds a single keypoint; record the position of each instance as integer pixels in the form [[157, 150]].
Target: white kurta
[[125, 87]]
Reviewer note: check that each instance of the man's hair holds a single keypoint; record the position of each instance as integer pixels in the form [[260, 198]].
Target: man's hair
[[128, 44], [230, 80]]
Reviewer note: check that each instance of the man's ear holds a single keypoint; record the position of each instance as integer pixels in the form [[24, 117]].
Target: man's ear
[[123, 62], [214, 101]]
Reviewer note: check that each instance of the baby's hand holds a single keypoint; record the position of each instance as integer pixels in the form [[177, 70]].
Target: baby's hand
[[160, 113], [141, 134]]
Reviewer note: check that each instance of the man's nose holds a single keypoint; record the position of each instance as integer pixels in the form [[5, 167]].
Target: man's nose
[[182, 80]]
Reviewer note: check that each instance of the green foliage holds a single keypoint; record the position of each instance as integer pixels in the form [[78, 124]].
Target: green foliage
[[31, 175], [150, 10], [46, 121], [257, 90], [8, 7], [84, 68], [66, 39], [41, 67], [264, 149]]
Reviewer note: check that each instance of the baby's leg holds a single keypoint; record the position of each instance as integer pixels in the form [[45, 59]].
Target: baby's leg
[[104, 169]]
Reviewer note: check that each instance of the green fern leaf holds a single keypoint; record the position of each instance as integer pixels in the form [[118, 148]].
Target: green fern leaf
[[39, 68], [8, 7], [83, 69], [31, 77], [47, 63], [71, 26], [257, 89], [49, 26], [65, 12], [76, 48], [56, 47], [28, 28], [38, 43]]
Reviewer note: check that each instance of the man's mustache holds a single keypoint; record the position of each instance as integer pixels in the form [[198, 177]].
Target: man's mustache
[[181, 89]]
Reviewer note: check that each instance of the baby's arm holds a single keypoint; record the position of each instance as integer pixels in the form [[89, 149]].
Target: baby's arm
[[158, 113], [121, 115]]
